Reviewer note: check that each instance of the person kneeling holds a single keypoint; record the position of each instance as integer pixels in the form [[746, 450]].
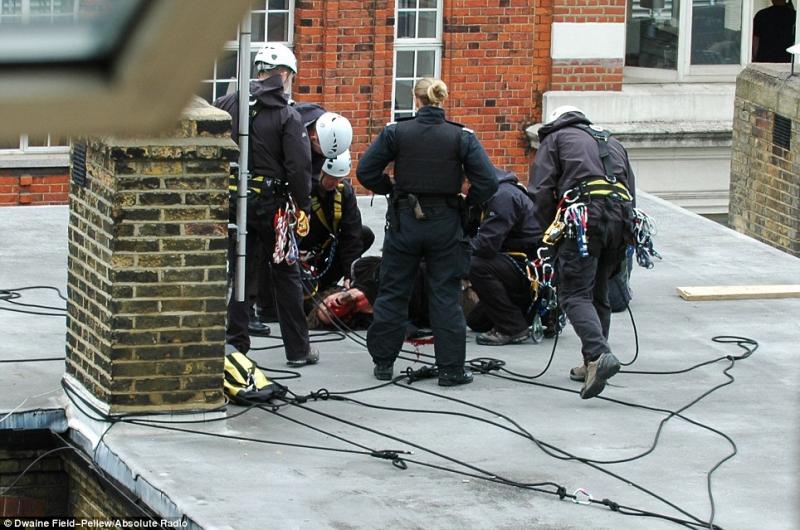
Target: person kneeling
[[508, 231]]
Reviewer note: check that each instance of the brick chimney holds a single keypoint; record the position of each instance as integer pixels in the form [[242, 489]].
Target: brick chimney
[[147, 266]]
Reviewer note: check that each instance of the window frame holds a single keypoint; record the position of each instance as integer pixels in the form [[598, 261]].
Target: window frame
[[685, 71], [406, 44], [233, 45]]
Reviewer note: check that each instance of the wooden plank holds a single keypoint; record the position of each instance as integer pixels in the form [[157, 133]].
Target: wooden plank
[[738, 292]]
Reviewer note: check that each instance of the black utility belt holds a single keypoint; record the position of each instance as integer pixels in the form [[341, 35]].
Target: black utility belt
[[257, 184], [411, 200]]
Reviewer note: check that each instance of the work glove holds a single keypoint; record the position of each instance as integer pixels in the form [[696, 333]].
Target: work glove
[[303, 225]]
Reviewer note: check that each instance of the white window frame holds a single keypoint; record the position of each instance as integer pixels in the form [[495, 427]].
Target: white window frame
[[23, 148], [416, 44], [686, 72], [233, 45]]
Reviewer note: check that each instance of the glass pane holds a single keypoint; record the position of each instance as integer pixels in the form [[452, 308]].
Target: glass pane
[[37, 141], [206, 91], [405, 64], [427, 25], [716, 32], [278, 27], [425, 63], [652, 34], [58, 141], [38, 36], [9, 143], [408, 4], [225, 88], [227, 65], [398, 115], [279, 4], [406, 23], [257, 28], [428, 4], [402, 95]]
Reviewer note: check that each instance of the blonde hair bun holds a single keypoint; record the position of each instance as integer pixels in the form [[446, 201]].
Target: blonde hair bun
[[431, 91]]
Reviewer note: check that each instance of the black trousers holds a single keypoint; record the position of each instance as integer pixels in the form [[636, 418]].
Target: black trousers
[[439, 240], [504, 294], [285, 281], [583, 281]]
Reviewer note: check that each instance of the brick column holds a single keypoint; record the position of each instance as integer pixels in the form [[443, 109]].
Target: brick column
[[147, 266], [765, 165]]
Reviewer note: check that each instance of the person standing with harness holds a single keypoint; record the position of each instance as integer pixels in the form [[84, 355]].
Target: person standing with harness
[[337, 236], [583, 187], [431, 158], [279, 188]]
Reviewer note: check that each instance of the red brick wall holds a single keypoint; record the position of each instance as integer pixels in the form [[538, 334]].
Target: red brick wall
[[34, 186], [588, 74], [495, 61]]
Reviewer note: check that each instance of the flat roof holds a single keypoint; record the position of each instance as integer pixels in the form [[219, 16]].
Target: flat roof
[[230, 482]]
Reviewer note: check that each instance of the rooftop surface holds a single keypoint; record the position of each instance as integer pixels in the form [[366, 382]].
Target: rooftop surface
[[231, 482]]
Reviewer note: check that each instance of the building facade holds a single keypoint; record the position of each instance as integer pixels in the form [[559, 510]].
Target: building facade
[[659, 73]]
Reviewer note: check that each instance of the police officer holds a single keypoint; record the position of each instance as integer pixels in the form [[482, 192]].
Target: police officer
[[507, 235], [431, 156], [582, 164], [337, 236], [280, 168]]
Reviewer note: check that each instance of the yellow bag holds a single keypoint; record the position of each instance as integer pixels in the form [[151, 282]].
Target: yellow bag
[[245, 384]]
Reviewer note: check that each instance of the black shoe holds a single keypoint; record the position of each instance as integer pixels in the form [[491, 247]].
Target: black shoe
[[494, 337], [311, 358], [453, 377], [597, 373], [383, 372], [258, 328]]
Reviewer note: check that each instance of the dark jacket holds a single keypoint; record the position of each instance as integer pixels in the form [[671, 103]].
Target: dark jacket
[[566, 156], [310, 113], [508, 221], [348, 245], [279, 146], [476, 165]]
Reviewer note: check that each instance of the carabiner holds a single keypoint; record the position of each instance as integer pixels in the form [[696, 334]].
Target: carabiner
[[585, 493]]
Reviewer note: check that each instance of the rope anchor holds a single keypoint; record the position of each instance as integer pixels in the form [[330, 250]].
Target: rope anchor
[[583, 492]]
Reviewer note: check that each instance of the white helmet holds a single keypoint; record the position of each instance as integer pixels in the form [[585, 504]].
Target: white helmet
[[560, 111], [335, 134], [273, 55], [338, 167]]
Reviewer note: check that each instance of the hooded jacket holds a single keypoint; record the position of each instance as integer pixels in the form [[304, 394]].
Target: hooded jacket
[[566, 156], [279, 146], [508, 220], [310, 113]]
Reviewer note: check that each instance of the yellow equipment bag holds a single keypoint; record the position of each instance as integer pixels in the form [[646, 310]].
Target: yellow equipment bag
[[245, 384]]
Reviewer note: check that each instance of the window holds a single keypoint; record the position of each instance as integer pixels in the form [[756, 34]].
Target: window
[[418, 49], [42, 12], [683, 40], [272, 21]]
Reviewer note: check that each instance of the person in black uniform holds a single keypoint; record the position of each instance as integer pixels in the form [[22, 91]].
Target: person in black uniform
[[280, 158], [335, 217], [773, 32], [431, 157], [583, 163], [507, 227], [337, 236]]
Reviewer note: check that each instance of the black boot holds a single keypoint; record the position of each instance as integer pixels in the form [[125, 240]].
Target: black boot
[[454, 376], [258, 328]]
